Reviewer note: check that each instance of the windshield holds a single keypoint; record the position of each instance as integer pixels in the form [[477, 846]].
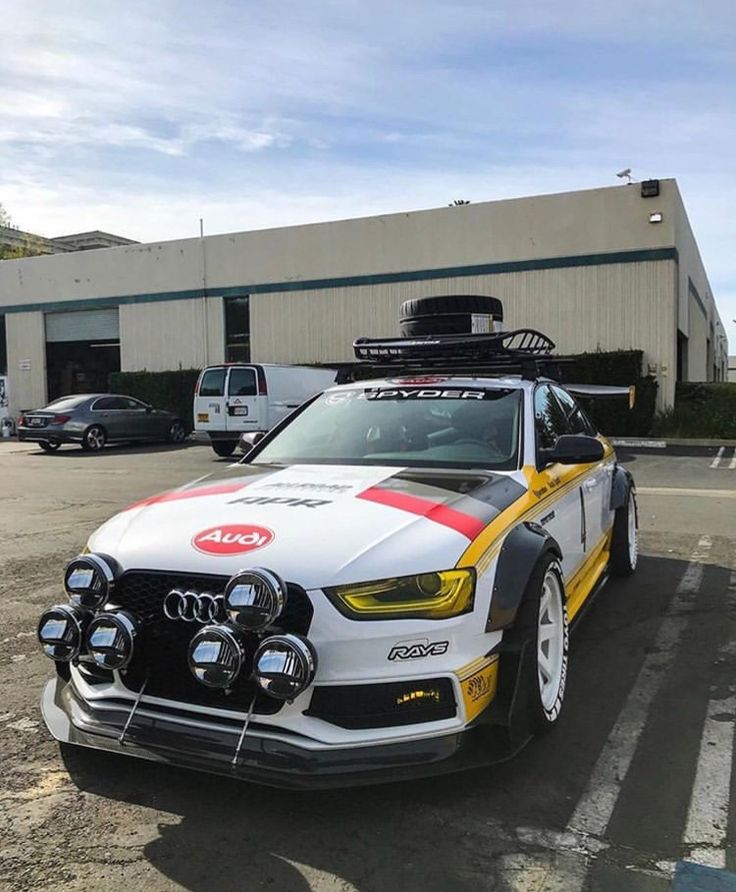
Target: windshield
[[433, 427]]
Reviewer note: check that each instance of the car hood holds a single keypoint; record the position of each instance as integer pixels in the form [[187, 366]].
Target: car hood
[[314, 525]]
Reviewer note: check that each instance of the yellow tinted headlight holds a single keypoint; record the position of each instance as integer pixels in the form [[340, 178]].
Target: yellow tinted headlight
[[426, 596]]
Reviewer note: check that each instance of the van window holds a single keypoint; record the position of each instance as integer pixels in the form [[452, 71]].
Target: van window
[[212, 383], [242, 382]]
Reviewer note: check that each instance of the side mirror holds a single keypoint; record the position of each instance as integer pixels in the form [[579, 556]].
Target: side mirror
[[149, 409], [572, 449], [249, 440]]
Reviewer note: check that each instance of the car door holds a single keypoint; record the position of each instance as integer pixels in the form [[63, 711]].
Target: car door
[[242, 400], [565, 518], [107, 411], [597, 485], [209, 400], [141, 421]]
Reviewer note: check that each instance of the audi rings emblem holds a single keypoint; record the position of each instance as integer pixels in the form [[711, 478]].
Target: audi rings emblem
[[193, 607]]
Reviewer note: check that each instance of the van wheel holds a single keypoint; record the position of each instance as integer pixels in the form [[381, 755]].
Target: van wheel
[[94, 438], [541, 625], [48, 446], [625, 538], [224, 447]]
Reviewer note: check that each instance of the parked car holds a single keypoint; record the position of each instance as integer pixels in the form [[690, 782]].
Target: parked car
[[382, 588], [237, 399], [94, 419]]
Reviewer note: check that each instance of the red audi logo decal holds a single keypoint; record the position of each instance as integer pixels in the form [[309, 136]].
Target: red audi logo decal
[[232, 538]]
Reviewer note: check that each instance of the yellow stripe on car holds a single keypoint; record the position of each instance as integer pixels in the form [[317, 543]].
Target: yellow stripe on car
[[478, 682]]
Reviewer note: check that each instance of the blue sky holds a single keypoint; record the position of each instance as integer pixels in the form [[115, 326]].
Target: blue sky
[[139, 118]]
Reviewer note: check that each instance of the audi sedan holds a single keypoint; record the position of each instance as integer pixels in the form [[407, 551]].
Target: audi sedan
[[94, 419]]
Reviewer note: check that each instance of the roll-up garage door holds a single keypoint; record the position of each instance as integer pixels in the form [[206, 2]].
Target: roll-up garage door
[[83, 325]]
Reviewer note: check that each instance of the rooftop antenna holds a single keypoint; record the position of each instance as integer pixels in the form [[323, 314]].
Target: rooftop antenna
[[625, 174]]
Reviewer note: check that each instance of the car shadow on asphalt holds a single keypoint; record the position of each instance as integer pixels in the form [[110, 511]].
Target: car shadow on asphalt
[[74, 451], [448, 832]]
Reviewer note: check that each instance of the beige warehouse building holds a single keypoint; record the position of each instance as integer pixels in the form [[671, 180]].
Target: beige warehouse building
[[603, 268]]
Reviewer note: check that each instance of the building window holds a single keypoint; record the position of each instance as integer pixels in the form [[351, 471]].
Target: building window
[[237, 329]]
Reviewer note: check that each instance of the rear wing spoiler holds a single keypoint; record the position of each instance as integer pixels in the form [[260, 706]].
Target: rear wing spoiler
[[603, 392]]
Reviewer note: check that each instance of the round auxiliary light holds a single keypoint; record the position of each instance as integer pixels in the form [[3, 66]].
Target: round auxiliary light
[[284, 666], [254, 599], [89, 580], [61, 632], [112, 639], [216, 656]]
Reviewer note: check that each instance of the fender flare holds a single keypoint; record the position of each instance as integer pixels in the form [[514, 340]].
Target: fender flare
[[621, 483], [522, 548]]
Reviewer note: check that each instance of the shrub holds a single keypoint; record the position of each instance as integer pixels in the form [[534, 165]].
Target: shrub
[[173, 390], [700, 410]]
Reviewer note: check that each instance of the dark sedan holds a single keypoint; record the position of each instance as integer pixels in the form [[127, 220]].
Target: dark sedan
[[94, 419]]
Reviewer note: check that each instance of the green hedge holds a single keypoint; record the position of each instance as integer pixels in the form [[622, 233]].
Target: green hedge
[[700, 410], [164, 390], [621, 368]]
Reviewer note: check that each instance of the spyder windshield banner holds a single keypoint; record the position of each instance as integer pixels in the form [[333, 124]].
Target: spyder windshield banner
[[414, 393]]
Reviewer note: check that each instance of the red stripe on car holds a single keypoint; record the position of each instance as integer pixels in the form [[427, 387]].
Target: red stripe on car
[[465, 524], [216, 489]]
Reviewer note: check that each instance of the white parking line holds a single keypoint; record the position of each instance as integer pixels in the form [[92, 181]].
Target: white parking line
[[717, 460], [732, 464], [707, 818], [594, 810]]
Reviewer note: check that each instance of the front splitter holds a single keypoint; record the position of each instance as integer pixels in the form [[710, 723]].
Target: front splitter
[[267, 760]]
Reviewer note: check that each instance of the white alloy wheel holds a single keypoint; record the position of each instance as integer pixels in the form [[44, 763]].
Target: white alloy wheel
[[551, 642], [633, 530]]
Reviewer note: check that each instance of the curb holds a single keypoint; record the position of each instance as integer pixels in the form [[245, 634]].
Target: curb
[[672, 446]]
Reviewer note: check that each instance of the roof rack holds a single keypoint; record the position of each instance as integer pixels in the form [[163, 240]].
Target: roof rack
[[522, 351]]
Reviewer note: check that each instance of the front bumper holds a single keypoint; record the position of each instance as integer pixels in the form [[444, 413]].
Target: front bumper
[[264, 757]]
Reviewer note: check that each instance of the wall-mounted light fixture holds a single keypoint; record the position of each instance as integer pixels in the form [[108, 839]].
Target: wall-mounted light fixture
[[656, 217]]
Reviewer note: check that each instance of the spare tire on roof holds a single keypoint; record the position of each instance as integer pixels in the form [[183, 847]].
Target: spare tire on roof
[[450, 314]]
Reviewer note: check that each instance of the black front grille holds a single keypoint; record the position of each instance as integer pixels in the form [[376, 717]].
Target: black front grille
[[163, 655], [384, 705]]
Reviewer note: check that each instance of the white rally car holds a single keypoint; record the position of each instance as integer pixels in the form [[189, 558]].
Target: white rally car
[[381, 589]]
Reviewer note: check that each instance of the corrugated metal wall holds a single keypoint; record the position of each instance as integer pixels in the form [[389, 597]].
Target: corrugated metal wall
[[616, 306], [171, 335]]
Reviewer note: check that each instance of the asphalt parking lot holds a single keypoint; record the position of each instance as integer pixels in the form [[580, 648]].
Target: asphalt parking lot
[[636, 777]]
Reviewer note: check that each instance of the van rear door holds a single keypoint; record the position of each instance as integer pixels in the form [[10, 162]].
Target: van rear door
[[209, 400], [242, 403]]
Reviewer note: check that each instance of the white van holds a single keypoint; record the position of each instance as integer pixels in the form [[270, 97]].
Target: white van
[[234, 399]]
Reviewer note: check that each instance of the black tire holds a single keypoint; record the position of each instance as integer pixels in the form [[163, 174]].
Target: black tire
[[521, 665], [177, 432], [48, 446], [446, 314], [224, 447], [624, 557], [94, 438]]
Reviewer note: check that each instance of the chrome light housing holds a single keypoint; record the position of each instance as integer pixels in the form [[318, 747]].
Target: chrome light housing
[[254, 599], [61, 632], [284, 666], [216, 656], [112, 638], [89, 580]]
